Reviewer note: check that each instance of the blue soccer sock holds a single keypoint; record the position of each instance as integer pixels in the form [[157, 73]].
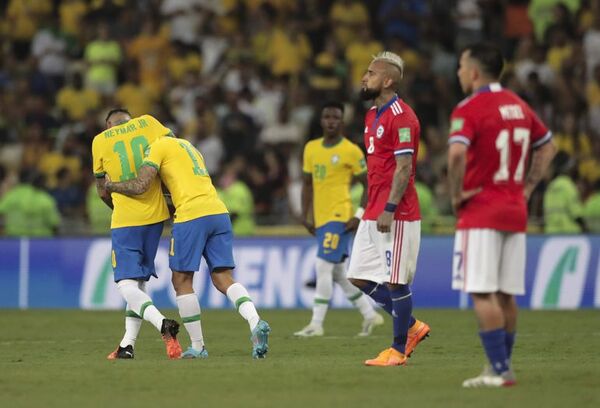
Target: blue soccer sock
[[380, 294], [494, 343], [401, 313], [509, 341]]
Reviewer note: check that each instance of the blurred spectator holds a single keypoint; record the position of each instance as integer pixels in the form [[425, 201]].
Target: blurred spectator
[[289, 50], [75, 101], [402, 19], [150, 50], [28, 210], [427, 205], [99, 215], [134, 95], [347, 17], [469, 23], [592, 93], [562, 202], [360, 53], [67, 194], [71, 14], [237, 198], [49, 47], [542, 13], [23, 18], [591, 210], [102, 56]]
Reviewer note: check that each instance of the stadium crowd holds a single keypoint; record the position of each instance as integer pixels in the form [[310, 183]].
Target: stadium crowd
[[243, 80]]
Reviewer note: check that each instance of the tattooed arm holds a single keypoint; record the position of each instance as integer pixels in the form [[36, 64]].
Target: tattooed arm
[[136, 186]]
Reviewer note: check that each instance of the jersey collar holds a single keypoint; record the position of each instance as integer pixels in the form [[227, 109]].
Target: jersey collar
[[386, 106], [492, 87]]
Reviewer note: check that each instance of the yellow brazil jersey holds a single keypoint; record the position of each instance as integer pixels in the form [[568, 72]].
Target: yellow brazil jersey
[[332, 168], [119, 152], [182, 169]]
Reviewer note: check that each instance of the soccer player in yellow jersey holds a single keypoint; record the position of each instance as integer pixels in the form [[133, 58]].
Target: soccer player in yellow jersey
[[330, 164], [201, 228], [136, 224]]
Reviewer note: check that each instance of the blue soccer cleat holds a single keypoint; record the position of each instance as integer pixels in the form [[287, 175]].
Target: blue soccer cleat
[[260, 339], [193, 353]]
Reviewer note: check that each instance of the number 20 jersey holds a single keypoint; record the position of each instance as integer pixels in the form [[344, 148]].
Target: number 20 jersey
[[119, 152], [499, 129]]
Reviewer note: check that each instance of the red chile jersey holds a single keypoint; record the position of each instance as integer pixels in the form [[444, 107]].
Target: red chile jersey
[[500, 130], [391, 131]]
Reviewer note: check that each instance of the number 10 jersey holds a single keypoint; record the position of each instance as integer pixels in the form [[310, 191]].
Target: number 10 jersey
[[119, 152], [499, 129]]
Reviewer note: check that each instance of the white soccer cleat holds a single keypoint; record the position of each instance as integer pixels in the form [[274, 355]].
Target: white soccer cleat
[[488, 378], [310, 331], [369, 324]]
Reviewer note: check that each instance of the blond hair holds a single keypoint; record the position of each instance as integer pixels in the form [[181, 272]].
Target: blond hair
[[392, 59]]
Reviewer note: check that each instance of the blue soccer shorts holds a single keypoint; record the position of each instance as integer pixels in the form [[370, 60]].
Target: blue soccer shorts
[[333, 242], [210, 237], [134, 250]]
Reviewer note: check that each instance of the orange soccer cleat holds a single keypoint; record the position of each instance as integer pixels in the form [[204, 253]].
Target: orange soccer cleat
[[387, 358], [417, 333], [169, 331]]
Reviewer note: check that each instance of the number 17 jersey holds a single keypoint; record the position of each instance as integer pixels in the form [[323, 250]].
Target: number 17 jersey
[[119, 152], [499, 129]]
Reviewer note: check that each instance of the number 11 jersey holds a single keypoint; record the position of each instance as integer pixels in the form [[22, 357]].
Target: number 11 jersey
[[499, 129], [119, 152]]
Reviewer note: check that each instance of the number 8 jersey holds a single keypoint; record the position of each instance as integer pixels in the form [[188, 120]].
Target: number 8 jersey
[[499, 129], [119, 152]]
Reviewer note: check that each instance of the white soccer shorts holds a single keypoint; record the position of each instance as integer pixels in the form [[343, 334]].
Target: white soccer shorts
[[385, 257], [488, 261]]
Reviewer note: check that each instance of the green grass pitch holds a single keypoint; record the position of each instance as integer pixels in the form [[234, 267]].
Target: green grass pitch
[[57, 359]]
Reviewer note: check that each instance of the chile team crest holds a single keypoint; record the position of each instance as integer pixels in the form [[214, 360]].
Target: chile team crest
[[380, 131]]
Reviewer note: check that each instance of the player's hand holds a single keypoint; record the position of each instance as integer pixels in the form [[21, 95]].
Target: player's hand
[[352, 224], [309, 227], [465, 195], [384, 221]]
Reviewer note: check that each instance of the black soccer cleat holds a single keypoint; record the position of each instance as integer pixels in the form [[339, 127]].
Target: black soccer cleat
[[124, 353]]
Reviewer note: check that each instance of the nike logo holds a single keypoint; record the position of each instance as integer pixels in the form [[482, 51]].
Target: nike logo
[[394, 313], [129, 353], [326, 251]]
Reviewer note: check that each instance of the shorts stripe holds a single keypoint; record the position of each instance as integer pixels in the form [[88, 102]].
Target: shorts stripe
[[398, 251], [465, 257]]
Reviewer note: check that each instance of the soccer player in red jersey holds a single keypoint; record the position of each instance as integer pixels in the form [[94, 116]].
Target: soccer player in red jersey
[[384, 254], [492, 133]]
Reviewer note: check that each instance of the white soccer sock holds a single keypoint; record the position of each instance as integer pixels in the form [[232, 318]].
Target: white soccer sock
[[133, 322], [140, 302], [189, 310], [323, 291], [353, 293], [238, 295]]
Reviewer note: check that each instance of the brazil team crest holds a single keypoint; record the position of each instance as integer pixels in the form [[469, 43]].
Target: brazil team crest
[[380, 131], [335, 159]]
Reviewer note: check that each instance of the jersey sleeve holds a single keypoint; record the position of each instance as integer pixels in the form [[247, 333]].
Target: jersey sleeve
[[307, 159], [462, 129], [154, 155], [99, 171], [405, 134], [540, 134], [359, 165]]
